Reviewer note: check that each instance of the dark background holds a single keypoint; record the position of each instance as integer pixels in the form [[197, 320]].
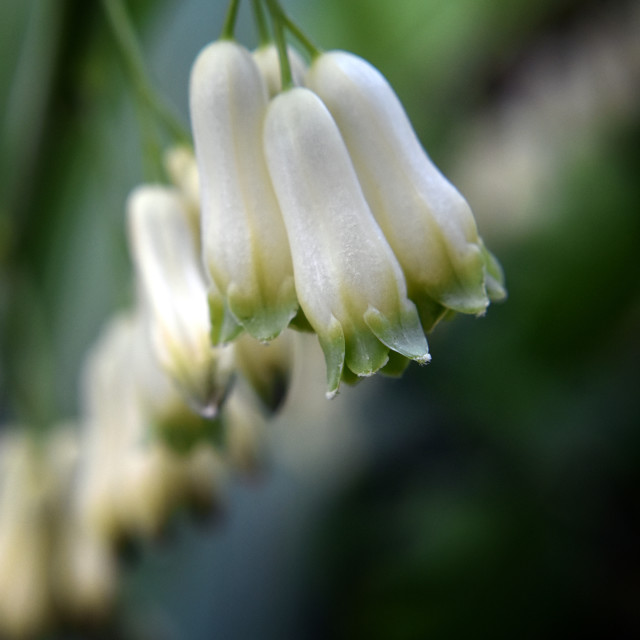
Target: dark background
[[492, 494]]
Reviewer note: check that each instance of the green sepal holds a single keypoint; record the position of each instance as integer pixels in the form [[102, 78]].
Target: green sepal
[[493, 275], [396, 366], [403, 335], [299, 322], [333, 347], [262, 322], [224, 328], [429, 311], [365, 354], [182, 429], [350, 378]]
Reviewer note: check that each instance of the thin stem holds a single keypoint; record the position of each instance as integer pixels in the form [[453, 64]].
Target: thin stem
[[132, 54], [277, 18], [264, 36], [297, 33], [230, 20]]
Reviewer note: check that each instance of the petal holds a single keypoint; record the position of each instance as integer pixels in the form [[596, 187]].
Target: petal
[[342, 262], [173, 285], [245, 247], [266, 57], [427, 222]]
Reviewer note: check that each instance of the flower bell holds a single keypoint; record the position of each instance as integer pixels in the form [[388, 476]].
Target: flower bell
[[267, 367], [174, 288], [244, 241], [428, 224], [268, 61], [349, 283], [180, 165]]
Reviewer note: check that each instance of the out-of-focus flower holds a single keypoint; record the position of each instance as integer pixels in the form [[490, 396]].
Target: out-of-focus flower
[[203, 478], [244, 242], [124, 486], [267, 367], [182, 169], [349, 283], [244, 429], [426, 221], [25, 600], [84, 571], [266, 57], [173, 285]]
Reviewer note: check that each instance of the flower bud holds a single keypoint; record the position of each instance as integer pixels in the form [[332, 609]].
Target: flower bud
[[25, 599], [244, 242], [268, 61], [349, 283], [245, 430], [428, 224], [180, 165], [267, 367], [173, 285]]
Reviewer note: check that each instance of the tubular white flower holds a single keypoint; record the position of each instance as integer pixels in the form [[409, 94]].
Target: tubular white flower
[[267, 367], [173, 285], [244, 242], [181, 167], [25, 598], [427, 222], [349, 284], [268, 61]]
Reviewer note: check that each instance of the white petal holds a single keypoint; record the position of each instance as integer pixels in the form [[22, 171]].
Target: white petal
[[268, 62], [244, 241], [170, 273], [342, 263], [427, 222]]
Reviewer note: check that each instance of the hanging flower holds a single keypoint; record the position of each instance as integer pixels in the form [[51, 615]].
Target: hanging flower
[[244, 242], [175, 291], [348, 281], [426, 221], [268, 61]]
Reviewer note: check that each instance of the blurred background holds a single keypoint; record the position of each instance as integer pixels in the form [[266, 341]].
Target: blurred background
[[494, 492]]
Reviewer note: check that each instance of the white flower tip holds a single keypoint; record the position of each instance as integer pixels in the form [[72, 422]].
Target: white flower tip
[[425, 359]]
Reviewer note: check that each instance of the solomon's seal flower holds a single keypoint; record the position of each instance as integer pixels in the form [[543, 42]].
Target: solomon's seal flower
[[348, 282], [266, 57], [427, 222], [175, 291], [243, 237]]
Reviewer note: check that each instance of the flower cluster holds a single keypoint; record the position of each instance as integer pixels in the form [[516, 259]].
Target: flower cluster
[[320, 208], [306, 203]]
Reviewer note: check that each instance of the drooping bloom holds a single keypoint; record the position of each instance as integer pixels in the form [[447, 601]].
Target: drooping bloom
[[267, 367], [25, 600], [266, 57], [175, 291], [426, 221], [244, 241], [180, 165], [349, 283]]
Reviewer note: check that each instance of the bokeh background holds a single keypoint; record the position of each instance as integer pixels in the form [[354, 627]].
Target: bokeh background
[[494, 493]]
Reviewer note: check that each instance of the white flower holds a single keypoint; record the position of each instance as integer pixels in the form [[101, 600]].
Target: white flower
[[267, 367], [180, 165], [174, 288], [25, 598], [348, 281], [268, 61], [427, 222], [244, 242]]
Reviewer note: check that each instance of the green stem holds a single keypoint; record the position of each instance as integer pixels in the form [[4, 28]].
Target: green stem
[[297, 33], [277, 18], [230, 20], [264, 36], [132, 54]]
